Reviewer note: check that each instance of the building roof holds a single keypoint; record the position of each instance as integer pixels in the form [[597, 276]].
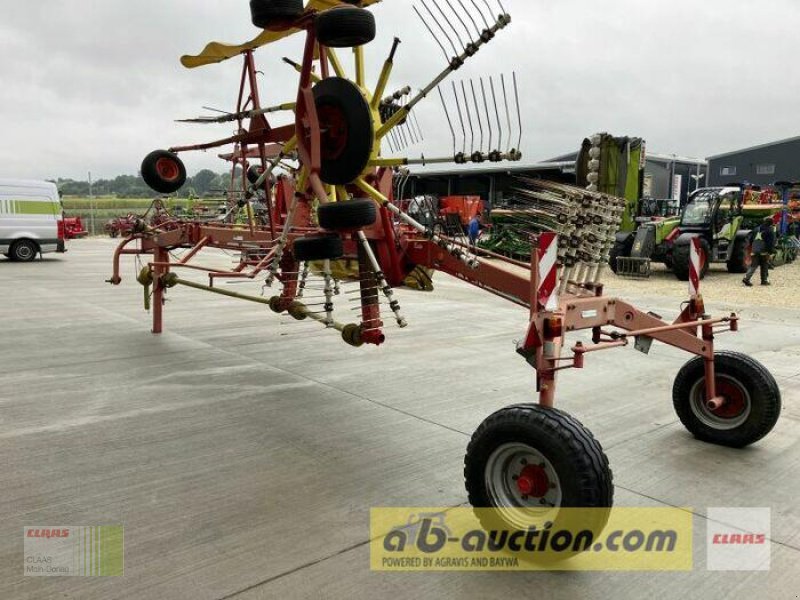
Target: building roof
[[752, 148], [668, 158], [462, 171]]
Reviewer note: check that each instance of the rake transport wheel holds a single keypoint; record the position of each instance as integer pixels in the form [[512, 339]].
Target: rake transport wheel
[[319, 247], [681, 255], [752, 400], [527, 462], [345, 27], [266, 13], [347, 215], [347, 131], [163, 171]]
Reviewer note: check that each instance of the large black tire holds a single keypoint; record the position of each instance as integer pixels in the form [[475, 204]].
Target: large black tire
[[620, 249], [681, 257], [266, 13], [740, 258], [752, 407], [644, 244], [163, 171], [347, 215], [318, 247], [347, 130], [23, 251], [526, 457], [345, 27]]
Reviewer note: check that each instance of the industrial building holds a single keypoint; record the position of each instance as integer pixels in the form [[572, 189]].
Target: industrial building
[[665, 176], [759, 165]]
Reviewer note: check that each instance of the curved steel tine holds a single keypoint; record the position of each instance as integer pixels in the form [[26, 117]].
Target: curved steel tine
[[480, 12], [508, 113], [477, 111], [488, 119], [496, 114], [471, 18], [433, 35], [469, 117], [460, 118], [519, 111], [441, 27]]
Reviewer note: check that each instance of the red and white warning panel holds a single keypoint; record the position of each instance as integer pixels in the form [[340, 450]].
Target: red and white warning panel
[[696, 260], [548, 271]]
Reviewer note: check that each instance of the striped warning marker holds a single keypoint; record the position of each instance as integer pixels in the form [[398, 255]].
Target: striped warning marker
[[548, 271], [696, 260]]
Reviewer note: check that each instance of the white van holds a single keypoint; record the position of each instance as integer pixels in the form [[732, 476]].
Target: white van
[[31, 219]]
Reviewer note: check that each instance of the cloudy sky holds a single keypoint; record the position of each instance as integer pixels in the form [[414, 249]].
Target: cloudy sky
[[94, 85]]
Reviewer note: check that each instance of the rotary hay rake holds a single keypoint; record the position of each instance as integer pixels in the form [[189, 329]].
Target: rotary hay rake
[[335, 200]]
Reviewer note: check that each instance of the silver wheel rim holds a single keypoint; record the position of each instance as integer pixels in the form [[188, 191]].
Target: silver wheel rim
[[502, 473], [697, 402], [24, 252]]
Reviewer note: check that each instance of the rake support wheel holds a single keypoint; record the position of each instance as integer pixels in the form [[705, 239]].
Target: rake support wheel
[[163, 171], [345, 27]]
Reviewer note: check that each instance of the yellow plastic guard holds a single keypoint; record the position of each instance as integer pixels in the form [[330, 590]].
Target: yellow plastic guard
[[216, 52]]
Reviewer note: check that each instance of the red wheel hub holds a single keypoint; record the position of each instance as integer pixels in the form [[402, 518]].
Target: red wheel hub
[[167, 169], [735, 399], [334, 134], [533, 481]]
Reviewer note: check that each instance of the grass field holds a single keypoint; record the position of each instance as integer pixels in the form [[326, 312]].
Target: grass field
[[107, 208]]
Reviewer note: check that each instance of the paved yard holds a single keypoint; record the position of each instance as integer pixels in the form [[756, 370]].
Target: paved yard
[[242, 451]]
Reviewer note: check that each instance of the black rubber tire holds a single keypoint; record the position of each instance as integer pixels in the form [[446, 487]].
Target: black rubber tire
[[738, 261], [163, 171], [266, 13], [620, 249], [319, 247], [345, 27], [644, 243], [253, 173], [681, 257], [762, 390], [347, 215], [348, 131], [576, 456], [23, 251]]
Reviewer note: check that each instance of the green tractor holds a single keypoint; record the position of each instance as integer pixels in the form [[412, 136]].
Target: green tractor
[[716, 216], [651, 240]]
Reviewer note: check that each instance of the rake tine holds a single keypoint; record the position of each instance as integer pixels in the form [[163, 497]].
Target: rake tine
[[455, 30], [503, 8], [413, 116], [447, 115], [519, 111], [458, 16], [460, 118], [469, 116], [477, 111], [471, 18], [496, 114], [441, 27], [480, 12], [410, 126], [488, 119], [433, 35], [491, 12], [508, 112]]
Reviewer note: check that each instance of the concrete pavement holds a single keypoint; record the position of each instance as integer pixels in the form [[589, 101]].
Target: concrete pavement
[[242, 451]]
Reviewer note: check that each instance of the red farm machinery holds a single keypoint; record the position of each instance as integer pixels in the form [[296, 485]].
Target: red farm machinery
[[328, 190]]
